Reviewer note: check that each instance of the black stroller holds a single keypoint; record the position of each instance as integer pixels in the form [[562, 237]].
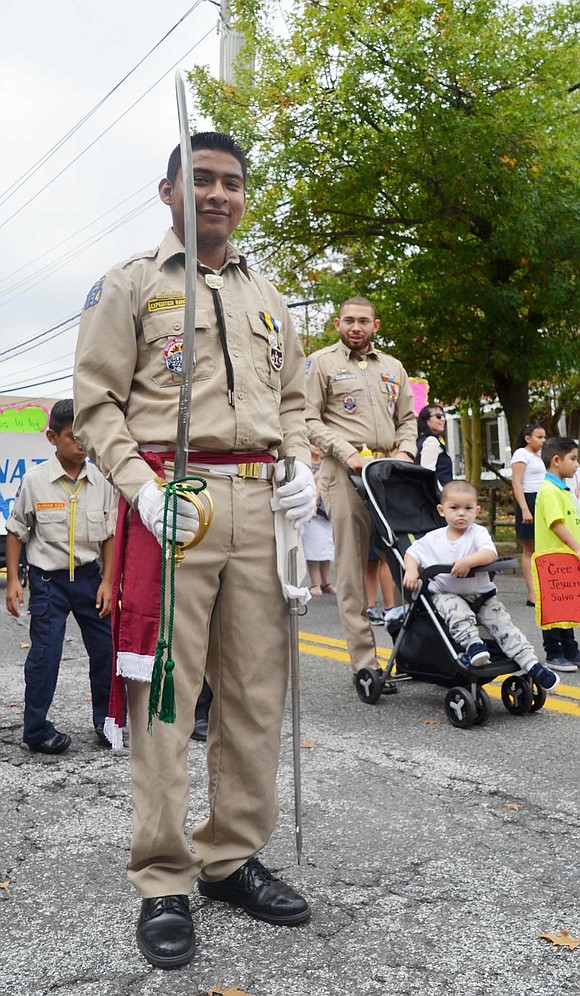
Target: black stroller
[[403, 499]]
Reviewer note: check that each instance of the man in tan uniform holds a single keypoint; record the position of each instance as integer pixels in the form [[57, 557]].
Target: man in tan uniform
[[230, 618], [356, 396]]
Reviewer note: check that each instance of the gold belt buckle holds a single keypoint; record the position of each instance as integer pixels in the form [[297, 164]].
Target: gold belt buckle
[[249, 470]]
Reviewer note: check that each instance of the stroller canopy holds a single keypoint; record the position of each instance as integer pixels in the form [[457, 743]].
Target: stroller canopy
[[404, 497]]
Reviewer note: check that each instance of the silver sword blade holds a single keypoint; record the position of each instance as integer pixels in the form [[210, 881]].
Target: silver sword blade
[[190, 235], [295, 683]]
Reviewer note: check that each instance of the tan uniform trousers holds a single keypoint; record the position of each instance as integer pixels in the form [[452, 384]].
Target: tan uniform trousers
[[231, 622], [351, 525]]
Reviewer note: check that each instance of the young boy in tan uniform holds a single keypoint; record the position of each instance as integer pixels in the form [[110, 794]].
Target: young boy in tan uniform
[[63, 513]]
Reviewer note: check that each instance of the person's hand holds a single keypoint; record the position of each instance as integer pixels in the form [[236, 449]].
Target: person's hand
[[410, 580], [14, 597], [151, 504], [461, 568], [401, 455], [103, 600], [355, 462], [527, 516], [298, 496]]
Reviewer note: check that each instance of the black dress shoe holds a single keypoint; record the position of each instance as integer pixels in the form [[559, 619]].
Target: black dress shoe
[[260, 894], [99, 730], [165, 931], [200, 730], [56, 744]]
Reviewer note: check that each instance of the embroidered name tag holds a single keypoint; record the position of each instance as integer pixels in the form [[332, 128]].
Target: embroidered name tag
[[344, 376], [164, 303], [50, 504]]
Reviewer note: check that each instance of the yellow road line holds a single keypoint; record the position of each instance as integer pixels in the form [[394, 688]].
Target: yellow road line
[[318, 645], [331, 641], [552, 704]]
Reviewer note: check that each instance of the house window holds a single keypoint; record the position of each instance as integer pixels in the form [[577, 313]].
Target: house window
[[492, 448]]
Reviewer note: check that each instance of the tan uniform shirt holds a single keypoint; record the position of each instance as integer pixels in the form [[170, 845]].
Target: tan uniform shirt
[[352, 402], [127, 373], [41, 515]]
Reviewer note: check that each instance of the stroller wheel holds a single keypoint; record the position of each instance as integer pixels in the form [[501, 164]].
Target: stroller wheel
[[538, 697], [482, 707], [368, 685], [517, 695], [460, 708]]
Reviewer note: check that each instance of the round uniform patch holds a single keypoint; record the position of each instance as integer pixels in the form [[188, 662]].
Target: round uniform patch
[[173, 355], [349, 403]]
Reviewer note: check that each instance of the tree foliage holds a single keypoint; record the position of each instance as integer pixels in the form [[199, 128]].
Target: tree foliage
[[423, 153]]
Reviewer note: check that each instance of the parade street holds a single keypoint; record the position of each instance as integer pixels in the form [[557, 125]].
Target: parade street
[[433, 857]]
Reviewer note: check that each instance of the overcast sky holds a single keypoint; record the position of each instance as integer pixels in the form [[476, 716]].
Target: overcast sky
[[57, 61]]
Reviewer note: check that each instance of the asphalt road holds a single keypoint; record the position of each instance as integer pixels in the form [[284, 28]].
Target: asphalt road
[[433, 857]]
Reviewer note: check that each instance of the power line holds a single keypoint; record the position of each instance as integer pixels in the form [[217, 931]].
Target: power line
[[40, 383], [78, 232], [41, 335], [39, 366], [35, 278], [48, 373], [14, 187], [112, 125]]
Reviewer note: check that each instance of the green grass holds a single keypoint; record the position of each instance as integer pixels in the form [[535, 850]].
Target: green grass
[[505, 534]]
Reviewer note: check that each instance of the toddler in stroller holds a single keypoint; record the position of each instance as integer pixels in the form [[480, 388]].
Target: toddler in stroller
[[446, 570]]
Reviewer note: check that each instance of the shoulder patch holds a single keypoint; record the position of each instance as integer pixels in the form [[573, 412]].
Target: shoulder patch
[[308, 365], [94, 295]]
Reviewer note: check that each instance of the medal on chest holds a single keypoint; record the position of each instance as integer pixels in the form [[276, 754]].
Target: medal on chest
[[275, 342], [391, 385]]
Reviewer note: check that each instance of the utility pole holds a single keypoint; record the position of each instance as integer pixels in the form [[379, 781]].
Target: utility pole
[[231, 44]]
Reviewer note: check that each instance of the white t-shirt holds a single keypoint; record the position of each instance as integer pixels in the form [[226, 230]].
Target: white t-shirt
[[436, 548], [534, 470]]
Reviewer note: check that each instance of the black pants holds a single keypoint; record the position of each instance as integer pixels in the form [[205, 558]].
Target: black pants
[[560, 643], [52, 598]]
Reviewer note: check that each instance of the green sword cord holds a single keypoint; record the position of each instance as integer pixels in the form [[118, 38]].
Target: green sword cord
[[163, 663]]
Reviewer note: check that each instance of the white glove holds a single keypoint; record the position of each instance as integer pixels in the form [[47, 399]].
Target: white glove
[[297, 496], [151, 504]]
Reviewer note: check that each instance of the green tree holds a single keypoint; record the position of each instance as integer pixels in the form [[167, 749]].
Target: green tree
[[424, 153]]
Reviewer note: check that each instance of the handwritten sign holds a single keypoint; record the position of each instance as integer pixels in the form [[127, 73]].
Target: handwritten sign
[[31, 418], [557, 582], [420, 390]]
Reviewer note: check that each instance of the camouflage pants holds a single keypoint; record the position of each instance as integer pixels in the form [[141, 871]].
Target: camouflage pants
[[463, 625]]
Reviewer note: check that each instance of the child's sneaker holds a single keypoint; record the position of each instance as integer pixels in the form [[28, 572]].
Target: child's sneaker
[[543, 677], [375, 617], [561, 664], [478, 654]]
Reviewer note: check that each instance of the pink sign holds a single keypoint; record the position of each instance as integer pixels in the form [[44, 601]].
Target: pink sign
[[420, 389]]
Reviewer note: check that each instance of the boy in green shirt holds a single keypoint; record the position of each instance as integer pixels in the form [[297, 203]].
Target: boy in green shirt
[[557, 526]]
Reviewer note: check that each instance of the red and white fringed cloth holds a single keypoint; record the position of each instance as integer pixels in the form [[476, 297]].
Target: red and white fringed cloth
[[136, 596], [135, 605]]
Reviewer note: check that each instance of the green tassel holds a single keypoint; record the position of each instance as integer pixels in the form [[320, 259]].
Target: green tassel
[[167, 711], [156, 676]]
